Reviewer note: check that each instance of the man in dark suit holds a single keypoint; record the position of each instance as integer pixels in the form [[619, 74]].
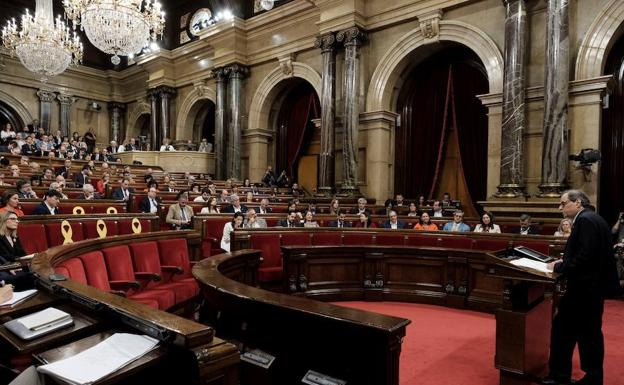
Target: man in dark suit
[[588, 265], [525, 227], [393, 222], [235, 207], [151, 202], [361, 207], [83, 176], [122, 193], [24, 189], [341, 220], [264, 207], [49, 206], [88, 193], [290, 221], [65, 170]]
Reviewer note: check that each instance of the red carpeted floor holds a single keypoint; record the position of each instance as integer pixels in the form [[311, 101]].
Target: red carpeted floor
[[456, 347]]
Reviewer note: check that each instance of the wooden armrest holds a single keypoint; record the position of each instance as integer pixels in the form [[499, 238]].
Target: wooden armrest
[[118, 292], [172, 269], [212, 240], [125, 285], [147, 275]]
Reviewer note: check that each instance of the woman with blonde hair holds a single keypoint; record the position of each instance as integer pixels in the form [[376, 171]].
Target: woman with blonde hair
[[334, 206], [10, 250], [565, 228]]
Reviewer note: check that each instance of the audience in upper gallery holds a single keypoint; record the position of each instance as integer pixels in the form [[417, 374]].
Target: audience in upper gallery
[[10, 250], [24, 189], [364, 221], [151, 202], [425, 224], [212, 207], [113, 148], [487, 224], [341, 220], [437, 210], [122, 193], [413, 210], [49, 206], [525, 227], [235, 205], [180, 214], [58, 187], [204, 197], [290, 221], [88, 192], [228, 228], [7, 134], [393, 222], [10, 202], [253, 221], [29, 147], [565, 228], [204, 146], [283, 180], [457, 223], [308, 220], [264, 207], [269, 179], [166, 146]]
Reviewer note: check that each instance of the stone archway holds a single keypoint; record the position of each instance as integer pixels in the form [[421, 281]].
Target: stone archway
[[603, 32], [22, 112], [381, 91], [135, 117], [189, 109]]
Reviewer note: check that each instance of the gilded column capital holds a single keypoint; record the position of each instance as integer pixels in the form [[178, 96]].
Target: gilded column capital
[[354, 36], [46, 96], [326, 42]]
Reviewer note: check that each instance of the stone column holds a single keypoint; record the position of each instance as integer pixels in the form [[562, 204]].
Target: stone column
[[220, 118], [514, 107], [352, 38], [236, 74], [116, 121], [555, 145], [45, 108], [165, 93], [327, 44], [65, 119], [154, 129]]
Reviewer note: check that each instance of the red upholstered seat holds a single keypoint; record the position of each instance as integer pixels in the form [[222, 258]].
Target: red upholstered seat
[[271, 268], [95, 270], [296, 238], [455, 242], [355, 239], [174, 252], [327, 239], [55, 234], [422, 240], [213, 232], [391, 239], [490, 244], [32, 237], [73, 269]]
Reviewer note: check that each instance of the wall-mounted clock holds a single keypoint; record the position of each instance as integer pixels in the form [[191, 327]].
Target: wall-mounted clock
[[200, 20]]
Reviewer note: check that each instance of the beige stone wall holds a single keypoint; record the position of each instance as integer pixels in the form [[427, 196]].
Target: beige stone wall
[[286, 35]]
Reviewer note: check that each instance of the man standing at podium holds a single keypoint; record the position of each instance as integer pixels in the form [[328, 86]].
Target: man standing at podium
[[589, 268]]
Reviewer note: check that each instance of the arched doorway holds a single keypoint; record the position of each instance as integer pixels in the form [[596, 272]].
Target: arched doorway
[[8, 115], [297, 141], [612, 138], [441, 143], [142, 130], [202, 115]]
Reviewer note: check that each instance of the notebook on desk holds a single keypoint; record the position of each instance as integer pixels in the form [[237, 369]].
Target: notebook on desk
[[39, 323]]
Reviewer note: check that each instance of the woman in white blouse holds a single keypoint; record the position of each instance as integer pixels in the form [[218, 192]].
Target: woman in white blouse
[[309, 221], [487, 224], [236, 223]]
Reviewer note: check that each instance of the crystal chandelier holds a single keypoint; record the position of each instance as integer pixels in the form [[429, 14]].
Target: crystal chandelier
[[43, 46], [118, 27]]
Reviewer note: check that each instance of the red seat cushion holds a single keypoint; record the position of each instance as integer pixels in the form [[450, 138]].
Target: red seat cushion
[[55, 234], [271, 252], [355, 239], [490, 244], [164, 298], [327, 239], [32, 237], [95, 270], [270, 274], [174, 252], [456, 242], [296, 238], [390, 239], [119, 263], [72, 268], [422, 240]]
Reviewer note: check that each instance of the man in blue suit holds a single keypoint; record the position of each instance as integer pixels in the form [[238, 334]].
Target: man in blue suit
[[457, 223]]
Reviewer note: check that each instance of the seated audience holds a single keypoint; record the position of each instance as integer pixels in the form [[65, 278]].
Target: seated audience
[[421, 201], [312, 208], [49, 206], [388, 207], [10, 202], [236, 223], [48, 174], [100, 184], [123, 192], [204, 146], [224, 197], [235, 206], [166, 146], [249, 198], [361, 207], [393, 222], [24, 189], [15, 170], [425, 224], [290, 221], [269, 179], [457, 223], [365, 221], [264, 207], [487, 224], [171, 187], [437, 210], [413, 210], [308, 220], [88, 192], [10, 250], [525, 227], [446, 200], [282, 180], [204, 197], [334, 206], [65, 171], [253, 221], [341, 220], [83, 177], [35, 181], [58, 187], [151, 202], [212, 208], [180, 215], [398, 200], [565, 228]]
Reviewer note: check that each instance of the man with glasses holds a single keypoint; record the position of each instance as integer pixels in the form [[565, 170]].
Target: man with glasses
[[525, 227], [252, 221], [457, 223], [589, 268]]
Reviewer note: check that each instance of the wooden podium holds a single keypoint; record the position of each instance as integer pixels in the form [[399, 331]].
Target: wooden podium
[[523, 322]]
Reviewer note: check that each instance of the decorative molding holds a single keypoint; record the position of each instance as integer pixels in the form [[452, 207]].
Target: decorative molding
[[17, 106], [66, 99], [116, 105], [237, 70], [286, 64], [430, 25], [354, 36], [326, 42], [46, 96]]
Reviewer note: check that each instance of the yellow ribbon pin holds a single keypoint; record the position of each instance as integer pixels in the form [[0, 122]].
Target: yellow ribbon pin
[[136, 226], [67, 232], [111, 210], [100, 226], [78, 210]]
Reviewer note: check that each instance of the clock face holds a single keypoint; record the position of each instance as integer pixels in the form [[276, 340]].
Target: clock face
[[200, 20]]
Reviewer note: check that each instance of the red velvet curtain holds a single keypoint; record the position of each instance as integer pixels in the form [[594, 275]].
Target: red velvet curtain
[[300, 106]]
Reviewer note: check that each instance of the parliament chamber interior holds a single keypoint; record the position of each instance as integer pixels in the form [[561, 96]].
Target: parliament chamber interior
[[321, 192]]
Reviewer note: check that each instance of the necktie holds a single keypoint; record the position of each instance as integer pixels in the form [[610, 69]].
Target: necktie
[[454, 227], [183, 214]]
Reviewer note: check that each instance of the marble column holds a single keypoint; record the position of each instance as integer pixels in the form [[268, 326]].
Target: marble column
[[152, 95], [236, 73], [327, 44], [116, 121], [165, 93], [45, 108], [220, 122], [555, 145], [65, 118], [352, 38], [514, 107]]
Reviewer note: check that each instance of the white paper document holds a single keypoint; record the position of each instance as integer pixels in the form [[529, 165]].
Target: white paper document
[[531, 264], [102, 359], [43, 318], [18, 296]]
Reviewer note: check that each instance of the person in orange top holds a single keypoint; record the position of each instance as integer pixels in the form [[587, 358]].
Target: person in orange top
[[425, 224], [10, 200]]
